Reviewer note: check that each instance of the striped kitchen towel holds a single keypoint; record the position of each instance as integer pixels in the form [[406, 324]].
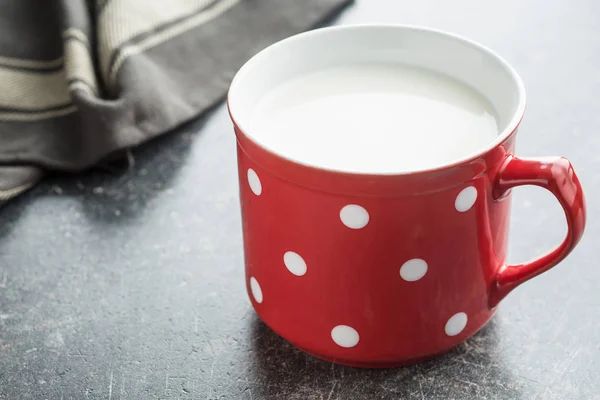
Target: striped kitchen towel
[[83, 79]]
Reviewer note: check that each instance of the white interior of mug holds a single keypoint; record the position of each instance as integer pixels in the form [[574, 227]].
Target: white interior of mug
[[456, 57]]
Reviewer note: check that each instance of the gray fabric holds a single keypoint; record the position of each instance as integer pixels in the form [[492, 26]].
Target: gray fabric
[[81, 80]]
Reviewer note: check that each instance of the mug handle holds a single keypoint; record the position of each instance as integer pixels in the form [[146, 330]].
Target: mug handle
[[556, 175]]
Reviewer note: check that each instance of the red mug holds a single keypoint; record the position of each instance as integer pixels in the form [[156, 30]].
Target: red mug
[[381, 270]]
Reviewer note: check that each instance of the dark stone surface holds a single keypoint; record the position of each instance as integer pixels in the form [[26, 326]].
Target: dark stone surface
[[130, 285]]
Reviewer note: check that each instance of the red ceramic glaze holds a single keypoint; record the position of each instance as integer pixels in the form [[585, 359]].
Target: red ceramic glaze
[[384, 270], [353, 276]]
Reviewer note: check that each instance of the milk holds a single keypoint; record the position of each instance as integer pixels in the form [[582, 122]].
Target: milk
[[374, 118]]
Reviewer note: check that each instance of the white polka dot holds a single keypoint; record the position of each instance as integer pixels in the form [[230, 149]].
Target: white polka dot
[[456, 324], [344, 336], [254, 182], [465, 199], [354, 216], [294, 263], [256, 290], [413, 270]]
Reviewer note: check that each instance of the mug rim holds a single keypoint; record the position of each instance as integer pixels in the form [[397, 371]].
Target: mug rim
[[510, 128]]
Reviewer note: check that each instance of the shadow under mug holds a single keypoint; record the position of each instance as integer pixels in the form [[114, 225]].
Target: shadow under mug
[[378, 270]]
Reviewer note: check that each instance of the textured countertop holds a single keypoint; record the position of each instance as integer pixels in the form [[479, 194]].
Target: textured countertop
[[130, 285]]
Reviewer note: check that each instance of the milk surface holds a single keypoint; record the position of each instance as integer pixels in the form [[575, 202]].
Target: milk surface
[[374, 118]]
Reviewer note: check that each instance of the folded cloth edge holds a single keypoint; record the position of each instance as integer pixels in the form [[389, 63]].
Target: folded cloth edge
[[103, 126]]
